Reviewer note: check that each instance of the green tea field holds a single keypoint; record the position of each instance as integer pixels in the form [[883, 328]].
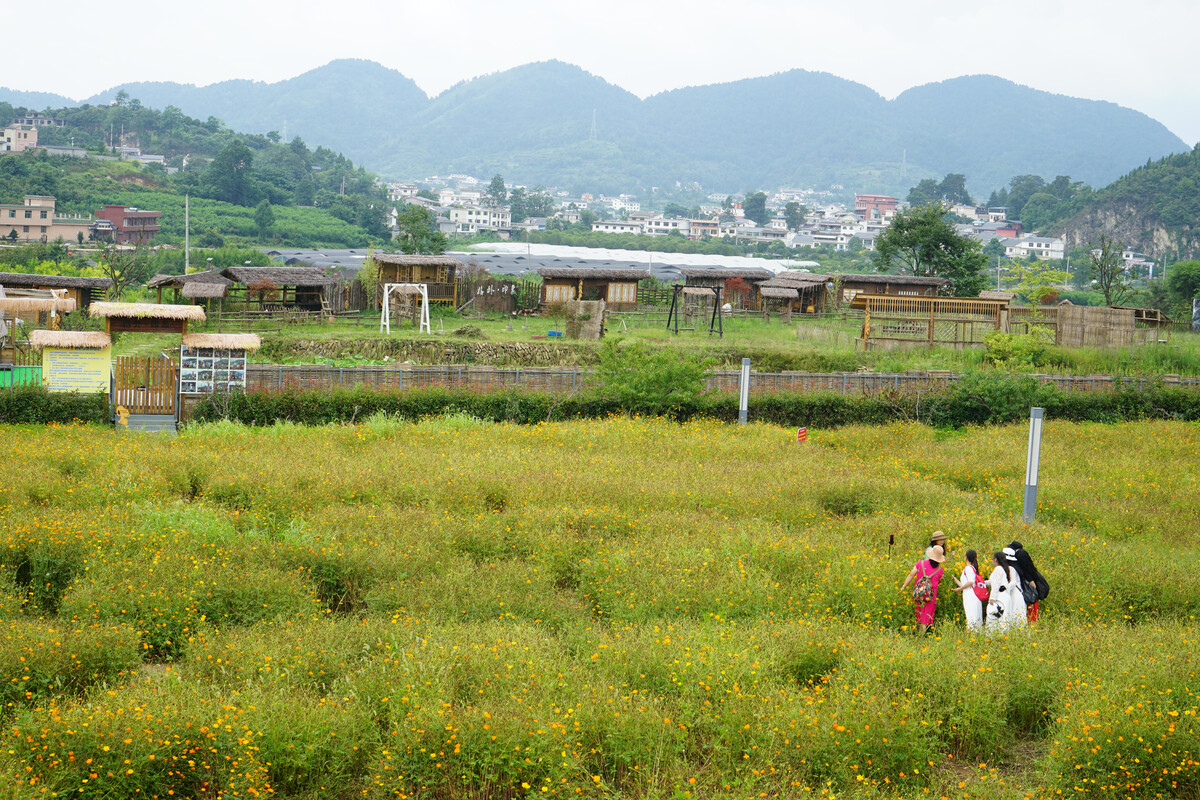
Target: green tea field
[[629, 608]]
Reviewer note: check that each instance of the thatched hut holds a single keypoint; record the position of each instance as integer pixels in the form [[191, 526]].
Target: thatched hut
[[794, 291], [82, 290], [851, 284], [616, 287], [27, 307], [293, 287], [438, 273], [205, 286], [146, 317]]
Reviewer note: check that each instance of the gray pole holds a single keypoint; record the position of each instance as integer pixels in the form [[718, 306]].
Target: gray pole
[[1031, 462], [744, 392]]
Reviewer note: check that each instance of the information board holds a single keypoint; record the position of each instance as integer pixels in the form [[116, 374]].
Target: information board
[[203, 370], [76, 370]]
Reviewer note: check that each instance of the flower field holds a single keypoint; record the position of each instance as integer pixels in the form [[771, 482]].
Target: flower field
[[627, 608]]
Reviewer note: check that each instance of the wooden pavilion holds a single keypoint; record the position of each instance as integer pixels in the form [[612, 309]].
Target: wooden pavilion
[[290, 287], [438, 273], [616, 287]]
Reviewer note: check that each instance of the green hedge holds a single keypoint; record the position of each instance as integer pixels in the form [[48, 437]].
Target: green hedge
[[33, 405], [974, 401]]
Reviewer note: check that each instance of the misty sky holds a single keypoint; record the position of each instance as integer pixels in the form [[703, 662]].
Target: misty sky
[[1136, 54]]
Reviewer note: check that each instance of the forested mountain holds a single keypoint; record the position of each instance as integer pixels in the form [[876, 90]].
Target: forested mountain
[[1154, 209], [322, 197], [534, 124]]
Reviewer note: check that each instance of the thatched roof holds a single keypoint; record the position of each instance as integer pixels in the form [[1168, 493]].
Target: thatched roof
[[193, 289], [280, 276], [894, 280], [92, 340], [20, 279], [152, 310], [224, 341], [61, 305], [788, 292], [795, 280], [415, 261], [709, 273], [594, 273], [212, 276]]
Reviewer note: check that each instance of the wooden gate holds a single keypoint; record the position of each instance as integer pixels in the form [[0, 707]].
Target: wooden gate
[[145, 385]]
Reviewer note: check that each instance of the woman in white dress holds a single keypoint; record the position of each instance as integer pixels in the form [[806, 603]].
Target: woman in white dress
[[1016, 603], [973, 607], [1005, 605]]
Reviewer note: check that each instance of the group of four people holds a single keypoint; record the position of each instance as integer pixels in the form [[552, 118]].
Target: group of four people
[[1005, 600]]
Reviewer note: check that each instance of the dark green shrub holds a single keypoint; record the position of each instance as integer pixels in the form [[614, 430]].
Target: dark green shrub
[[33, 405], [977, 399]]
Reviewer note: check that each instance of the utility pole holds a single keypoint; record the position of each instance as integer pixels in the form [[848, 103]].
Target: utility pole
[[187, 250]]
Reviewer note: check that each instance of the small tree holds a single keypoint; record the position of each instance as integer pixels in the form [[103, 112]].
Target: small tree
[[125, 267], [264, 218], [921, 241], [419, 232], [1108, 269], [368, 276], [736, 291], [497, 192], [264, 290], [1037, 282]]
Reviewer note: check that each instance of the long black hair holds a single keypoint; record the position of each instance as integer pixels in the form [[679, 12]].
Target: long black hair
[[1002, 560], [973, 560]]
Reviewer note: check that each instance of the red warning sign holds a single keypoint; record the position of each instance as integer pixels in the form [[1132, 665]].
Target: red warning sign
[[801, 434]]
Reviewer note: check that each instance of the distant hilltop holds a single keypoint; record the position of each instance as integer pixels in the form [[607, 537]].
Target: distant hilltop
[[554, 123]]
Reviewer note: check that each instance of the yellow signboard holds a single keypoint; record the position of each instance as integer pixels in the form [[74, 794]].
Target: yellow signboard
[[71, 370]]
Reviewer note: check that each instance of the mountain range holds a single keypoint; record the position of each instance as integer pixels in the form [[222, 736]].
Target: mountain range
[[555, 124]]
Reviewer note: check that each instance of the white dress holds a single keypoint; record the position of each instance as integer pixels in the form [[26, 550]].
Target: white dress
[[1016, 603], [1006, 606], [972, 606]]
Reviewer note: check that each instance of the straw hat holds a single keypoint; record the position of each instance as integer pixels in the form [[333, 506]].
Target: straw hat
[[936, 553], [938, 536]]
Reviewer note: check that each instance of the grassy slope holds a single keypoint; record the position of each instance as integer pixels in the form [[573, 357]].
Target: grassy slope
[[713, 612]]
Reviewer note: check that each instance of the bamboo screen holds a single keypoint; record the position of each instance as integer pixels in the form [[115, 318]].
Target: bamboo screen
[[953, 321]]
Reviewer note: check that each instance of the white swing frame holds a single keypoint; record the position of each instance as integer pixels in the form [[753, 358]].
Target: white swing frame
[[385, 321]]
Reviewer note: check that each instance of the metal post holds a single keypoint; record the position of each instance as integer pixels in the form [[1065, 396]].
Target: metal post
[[744, 392], [1031, 462]]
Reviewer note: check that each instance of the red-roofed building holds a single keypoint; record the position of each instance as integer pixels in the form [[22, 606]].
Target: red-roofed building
[[128, 225], [875, 206]]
